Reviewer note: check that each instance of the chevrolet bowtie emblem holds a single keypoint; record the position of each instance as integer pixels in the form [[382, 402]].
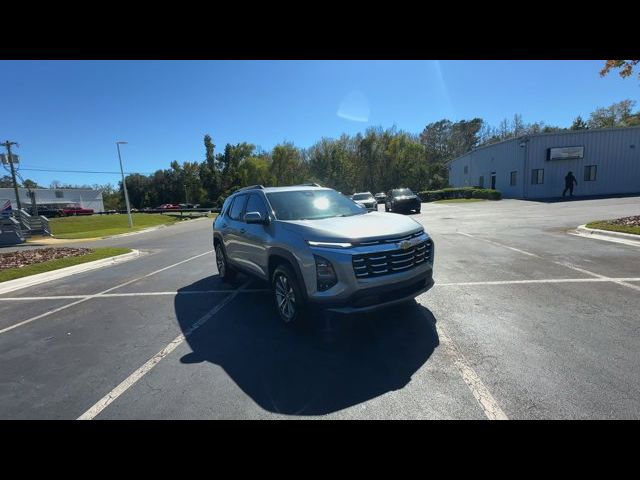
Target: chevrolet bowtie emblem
[[405, 244]]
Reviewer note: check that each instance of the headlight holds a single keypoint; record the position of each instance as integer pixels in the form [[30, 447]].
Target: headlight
[[325, 274], [329, 244]]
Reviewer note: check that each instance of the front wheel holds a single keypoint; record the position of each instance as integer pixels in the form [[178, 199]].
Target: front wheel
[[386, 208], [288, 296], [226, 272]]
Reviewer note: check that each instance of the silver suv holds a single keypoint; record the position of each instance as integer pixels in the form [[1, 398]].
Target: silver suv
[[317, 247], [366, 200]]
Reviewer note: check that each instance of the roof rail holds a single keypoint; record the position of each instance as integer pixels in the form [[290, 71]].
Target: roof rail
[[251, 187], [310, 184]]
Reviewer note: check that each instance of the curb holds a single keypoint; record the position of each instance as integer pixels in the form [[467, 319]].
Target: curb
[[39, 278], [120, 235], [607, 235]]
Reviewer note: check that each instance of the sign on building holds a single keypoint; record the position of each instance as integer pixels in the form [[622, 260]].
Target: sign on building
[[565, 153]]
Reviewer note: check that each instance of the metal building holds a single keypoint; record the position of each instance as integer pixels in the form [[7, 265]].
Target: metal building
[[87, 198], [604, 162]]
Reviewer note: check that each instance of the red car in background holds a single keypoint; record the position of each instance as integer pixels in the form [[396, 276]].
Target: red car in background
[[169, 206], [76, 209]]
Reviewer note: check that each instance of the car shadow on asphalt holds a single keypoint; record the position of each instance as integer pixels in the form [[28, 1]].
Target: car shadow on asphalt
[[304, 371]]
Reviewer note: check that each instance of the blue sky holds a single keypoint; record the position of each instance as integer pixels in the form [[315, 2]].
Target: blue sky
[[66, 115]]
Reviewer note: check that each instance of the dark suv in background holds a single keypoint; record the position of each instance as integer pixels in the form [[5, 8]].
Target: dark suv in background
[[402, 200]]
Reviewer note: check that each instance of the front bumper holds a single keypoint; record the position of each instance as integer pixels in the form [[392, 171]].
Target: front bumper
[[373, 298], [405, 205]]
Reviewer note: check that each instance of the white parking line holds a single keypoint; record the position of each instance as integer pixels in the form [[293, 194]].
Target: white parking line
[[546, 280], [479, 390], [105, 401], [562, 264], [501, 245], [132, 294], [64, 307]]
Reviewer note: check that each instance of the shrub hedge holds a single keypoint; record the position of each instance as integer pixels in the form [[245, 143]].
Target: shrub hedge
[[465, 192]]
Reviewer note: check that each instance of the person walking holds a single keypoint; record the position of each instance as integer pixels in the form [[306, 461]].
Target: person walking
[[569, 181]]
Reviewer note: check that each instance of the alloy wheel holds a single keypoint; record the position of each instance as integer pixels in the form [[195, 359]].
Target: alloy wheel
[[285, 297]]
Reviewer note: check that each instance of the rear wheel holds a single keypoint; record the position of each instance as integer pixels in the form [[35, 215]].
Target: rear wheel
[[226, 272], [386, 208], [288, 296]]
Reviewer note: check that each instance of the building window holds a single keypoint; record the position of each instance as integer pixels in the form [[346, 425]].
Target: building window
[[466, 169], [59, 194], [481, 182], [537, 176], [513, 179], [590, 173]]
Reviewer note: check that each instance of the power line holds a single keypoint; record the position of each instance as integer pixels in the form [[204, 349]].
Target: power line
[[82, 171]]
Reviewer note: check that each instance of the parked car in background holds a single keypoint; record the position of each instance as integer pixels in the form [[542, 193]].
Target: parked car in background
[[366, 200], [402, 200], [318, 248], [49, 211], [169, 206], [76, 209], [380, 197]]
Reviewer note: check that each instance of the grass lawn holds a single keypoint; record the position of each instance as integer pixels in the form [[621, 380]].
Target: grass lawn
[[605, 225], [96, 254], [93, 226], [461, 200]]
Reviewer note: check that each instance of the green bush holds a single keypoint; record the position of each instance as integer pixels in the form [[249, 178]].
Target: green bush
[[465, 192]]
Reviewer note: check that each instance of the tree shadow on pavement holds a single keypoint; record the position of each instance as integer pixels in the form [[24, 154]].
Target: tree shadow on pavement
[[298, 372]]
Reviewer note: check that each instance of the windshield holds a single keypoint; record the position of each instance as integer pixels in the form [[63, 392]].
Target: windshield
[[362, 196], [400, 192], [312, 205]]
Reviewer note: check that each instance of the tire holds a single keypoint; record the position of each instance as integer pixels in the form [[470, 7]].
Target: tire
[[287, 295], [386, 208], [225, 271]]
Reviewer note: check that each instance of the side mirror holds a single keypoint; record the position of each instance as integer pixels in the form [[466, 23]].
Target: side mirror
[[255, 217]]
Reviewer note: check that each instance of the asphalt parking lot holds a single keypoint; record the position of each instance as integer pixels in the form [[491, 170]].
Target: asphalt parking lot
[[525, 322]]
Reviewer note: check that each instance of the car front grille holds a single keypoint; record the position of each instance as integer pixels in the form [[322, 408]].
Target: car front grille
[[394, 261]]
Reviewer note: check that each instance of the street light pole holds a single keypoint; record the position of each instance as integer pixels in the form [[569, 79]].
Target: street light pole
[[124, 186]]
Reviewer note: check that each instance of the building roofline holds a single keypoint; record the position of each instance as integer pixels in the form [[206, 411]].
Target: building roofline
[[563, 132]]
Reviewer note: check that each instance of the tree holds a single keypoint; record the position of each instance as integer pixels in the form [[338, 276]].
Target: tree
[[55, 184], [256, 171], [286, 165], [28, 183], [615, 115], [209, 173], [625, 66], [518, 126], [579, 124], [6, 181], [111, 197]]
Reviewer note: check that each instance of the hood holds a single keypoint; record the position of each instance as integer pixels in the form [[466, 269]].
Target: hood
[[368, 226]]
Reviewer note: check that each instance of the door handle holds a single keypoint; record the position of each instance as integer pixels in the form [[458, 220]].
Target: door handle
[[242, 230], [224, 225]]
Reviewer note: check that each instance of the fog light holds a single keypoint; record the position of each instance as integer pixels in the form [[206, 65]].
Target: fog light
[[325, 274]]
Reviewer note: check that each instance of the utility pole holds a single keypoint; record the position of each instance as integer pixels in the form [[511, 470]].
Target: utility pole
[[7, 145], [124, 186], [186, 198]]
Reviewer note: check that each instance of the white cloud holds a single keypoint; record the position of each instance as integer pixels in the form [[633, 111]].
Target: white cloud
[[354, 107]]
